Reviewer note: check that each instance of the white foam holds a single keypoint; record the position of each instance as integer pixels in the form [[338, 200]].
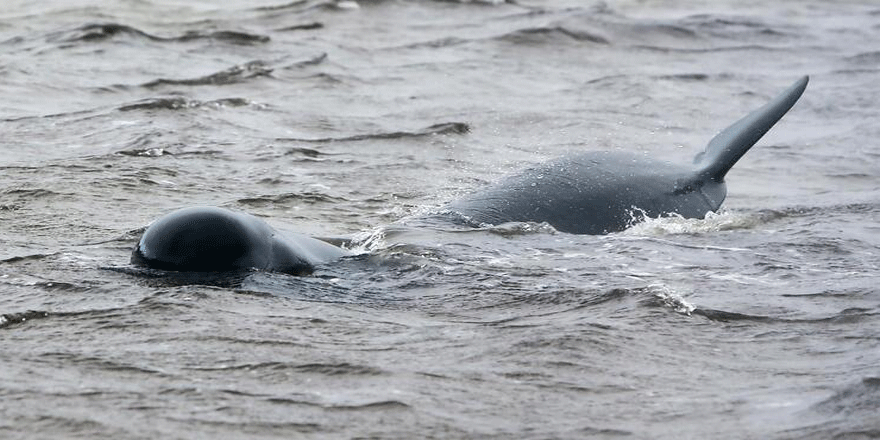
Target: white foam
[[671, 299], [676, 224], [368, 241]]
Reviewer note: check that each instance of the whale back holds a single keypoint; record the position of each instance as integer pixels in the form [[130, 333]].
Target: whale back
[[603, 192], [588, 193]]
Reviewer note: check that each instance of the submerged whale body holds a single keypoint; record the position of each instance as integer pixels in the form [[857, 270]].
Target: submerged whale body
[[588, 193], [603, 192], [209, 239]]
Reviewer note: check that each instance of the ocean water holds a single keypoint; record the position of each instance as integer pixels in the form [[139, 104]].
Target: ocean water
[[352, 119]]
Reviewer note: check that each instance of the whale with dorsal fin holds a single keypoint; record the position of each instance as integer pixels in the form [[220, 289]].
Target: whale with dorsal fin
[[588, 193], [604, 192]]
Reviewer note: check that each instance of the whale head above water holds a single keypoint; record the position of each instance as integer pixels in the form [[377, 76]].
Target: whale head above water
[[604, 192], [210, 239]]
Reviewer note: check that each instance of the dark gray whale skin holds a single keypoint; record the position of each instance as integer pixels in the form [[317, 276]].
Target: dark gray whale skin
[[604, 192], [210, 239], [589, 193]]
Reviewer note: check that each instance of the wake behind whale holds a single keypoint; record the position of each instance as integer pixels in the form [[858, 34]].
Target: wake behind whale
[[588, 193]]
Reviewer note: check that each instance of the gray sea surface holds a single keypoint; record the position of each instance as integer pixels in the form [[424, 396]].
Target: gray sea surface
[[353, 119]]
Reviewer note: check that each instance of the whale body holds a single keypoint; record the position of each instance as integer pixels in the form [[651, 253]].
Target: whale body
[[603, 192], [587, 193]]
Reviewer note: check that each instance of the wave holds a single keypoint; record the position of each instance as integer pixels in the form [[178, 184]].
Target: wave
[[731, 48], [575, 299], [160, 151], [723, 316], [182, 103], [684, 77], [339, 369], [383, 405], [307, 5], [178, 103], [858, 208], [859, 397], [306, 152], [658, 295], [15, 199], [164, 279], [302, 27], [296, 4], [235, 74], [694, 34], [34, 193], [871, 58], [739, 27], [432, 44], [97, 363], [480, 2], [333, 369], [847, 316], [849, 413], [436, 129], [105, 31], [9, 319], [379, 405], [544, 35], [608, 28], [303, 197], [318, 59]]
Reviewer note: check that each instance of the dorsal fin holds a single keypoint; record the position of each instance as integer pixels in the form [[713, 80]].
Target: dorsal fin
[[732, 143]]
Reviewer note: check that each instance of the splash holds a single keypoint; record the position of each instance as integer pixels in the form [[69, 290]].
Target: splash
[[515, 229], [674, 224], [670, 298], [368, 241]]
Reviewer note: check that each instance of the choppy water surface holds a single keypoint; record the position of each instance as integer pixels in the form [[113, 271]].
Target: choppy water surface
[[351, 119]]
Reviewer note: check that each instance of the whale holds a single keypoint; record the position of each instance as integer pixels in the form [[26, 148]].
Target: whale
[[584, 193], [603, 192], [213, 239]]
